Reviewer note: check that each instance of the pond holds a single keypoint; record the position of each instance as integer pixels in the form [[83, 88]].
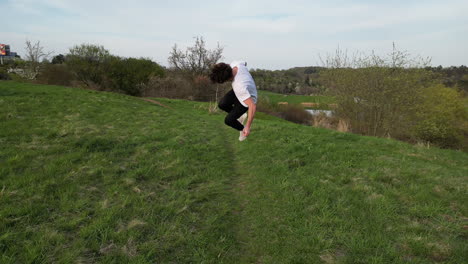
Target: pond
[[314, 112]]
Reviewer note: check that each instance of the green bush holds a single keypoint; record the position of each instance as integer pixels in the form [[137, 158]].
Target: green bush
[[377, 95], [87, 62], [128, 75], [442, 118], [378, 100], [95, 67]]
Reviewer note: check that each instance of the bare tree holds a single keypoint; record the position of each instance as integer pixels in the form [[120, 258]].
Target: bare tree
[[340, 59], [195, 60], [34, 55]]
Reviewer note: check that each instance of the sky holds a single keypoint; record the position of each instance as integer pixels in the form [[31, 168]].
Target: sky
[[267, 34]]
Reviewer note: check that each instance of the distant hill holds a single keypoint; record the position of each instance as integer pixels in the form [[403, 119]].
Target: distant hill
[[299, 80]]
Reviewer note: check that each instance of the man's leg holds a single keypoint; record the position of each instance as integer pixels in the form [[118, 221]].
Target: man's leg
[[231, 119], [227, 102]]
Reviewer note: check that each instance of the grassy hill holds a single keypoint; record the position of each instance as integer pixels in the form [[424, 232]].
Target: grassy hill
[[90, 177]]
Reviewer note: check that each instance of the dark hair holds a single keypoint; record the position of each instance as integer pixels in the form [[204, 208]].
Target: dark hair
[[220, 73]]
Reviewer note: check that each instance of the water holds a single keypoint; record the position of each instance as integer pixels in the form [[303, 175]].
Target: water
[[314, 112]]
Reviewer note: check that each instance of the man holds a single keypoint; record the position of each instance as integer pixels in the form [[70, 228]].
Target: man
[[239, 100]]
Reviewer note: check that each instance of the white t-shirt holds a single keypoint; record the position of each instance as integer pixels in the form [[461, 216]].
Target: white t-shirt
[[243, 83]]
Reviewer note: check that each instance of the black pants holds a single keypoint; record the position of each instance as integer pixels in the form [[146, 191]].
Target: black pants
[[235, 109]]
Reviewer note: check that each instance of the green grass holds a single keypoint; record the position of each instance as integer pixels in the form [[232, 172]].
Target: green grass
[[297, 99], [90, 177]]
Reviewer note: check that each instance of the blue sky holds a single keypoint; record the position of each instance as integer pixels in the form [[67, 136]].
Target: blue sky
[[268, 34]]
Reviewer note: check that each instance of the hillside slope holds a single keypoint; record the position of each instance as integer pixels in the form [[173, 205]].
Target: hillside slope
[[88, 176]]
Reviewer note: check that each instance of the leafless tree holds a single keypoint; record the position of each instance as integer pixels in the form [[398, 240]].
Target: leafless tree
[[195, 60], [34, 55]]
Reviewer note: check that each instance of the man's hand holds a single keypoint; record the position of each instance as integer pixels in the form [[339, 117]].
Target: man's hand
[[246, 131], [250, 117]]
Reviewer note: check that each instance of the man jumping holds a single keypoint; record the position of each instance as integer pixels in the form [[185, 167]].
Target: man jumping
[[241, 98]]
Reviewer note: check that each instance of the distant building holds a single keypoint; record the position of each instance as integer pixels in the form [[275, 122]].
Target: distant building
[[5, 52]]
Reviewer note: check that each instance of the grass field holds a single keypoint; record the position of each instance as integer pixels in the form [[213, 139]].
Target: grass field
[[275, 98], [90, 177]]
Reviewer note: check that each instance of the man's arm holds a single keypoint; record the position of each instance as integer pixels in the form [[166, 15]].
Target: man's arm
[[234, 71], [251, 114]]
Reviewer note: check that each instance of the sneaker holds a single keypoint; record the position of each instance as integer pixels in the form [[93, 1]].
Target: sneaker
[[242, 118], [241, 136]]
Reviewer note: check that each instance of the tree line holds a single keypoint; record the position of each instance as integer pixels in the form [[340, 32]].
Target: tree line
[[307, 81], [94, 67]]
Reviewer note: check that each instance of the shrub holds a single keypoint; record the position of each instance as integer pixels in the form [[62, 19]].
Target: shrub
[[169, 87], [56, 74], [378, 101], [128, 75], [329, 122], [396, 97], [96, 68], [205, 90], [293, 113], [463, 84], [87, 62], [377, 95], [442, 118], [265, 105], [296, 114], [4, 74], [182, 86]]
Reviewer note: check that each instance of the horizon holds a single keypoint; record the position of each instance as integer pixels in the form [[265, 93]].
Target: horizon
[[266, 34]]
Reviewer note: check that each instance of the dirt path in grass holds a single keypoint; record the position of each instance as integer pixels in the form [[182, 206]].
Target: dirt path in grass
[[240, 182], [155, 102], [241, 213]]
